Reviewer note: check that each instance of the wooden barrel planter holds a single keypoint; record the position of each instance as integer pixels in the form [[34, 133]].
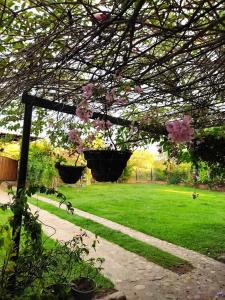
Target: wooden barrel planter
[[8, 169]]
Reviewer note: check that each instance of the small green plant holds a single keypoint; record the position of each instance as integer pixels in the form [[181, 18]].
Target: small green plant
[[39, 271], [60, 159], [31, 247]]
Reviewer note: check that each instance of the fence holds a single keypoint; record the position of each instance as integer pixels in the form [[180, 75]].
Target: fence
[[8, 169]]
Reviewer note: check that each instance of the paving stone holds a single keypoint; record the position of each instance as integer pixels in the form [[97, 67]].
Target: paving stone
[[139, 287], [115, 296]]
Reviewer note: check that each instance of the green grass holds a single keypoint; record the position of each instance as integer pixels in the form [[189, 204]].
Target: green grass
[[164, 211], [151, 253]]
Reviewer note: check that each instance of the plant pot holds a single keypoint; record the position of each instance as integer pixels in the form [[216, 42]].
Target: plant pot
[[106, 165], [83, 288], [69, 174], [210, 149]]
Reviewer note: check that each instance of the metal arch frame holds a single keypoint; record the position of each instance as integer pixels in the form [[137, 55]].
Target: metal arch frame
[[31, 101]]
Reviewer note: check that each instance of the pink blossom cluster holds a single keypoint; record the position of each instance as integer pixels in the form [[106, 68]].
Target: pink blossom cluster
[[101, 124], [83, 111], [121, 101], [88, 90], [101, 16], [180, 131], [138, 89], [75, 137], [111, 98]]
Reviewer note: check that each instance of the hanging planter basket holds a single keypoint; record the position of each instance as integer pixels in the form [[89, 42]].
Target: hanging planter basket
[[69, 174], [106, 165], [210, 149]]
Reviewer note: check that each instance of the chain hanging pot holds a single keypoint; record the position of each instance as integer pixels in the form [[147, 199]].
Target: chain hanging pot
[[69, 174], [106, 165], [210, 149]]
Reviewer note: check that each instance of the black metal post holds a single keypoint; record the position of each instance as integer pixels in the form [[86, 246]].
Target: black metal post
[[22, 175]]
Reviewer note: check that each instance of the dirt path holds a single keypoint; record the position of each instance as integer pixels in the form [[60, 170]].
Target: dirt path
[[138, 278]]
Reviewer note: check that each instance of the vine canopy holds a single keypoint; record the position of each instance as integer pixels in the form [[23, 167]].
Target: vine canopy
[[164, 59]]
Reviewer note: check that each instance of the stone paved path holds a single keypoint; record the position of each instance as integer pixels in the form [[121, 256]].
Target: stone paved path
[[140, 279]]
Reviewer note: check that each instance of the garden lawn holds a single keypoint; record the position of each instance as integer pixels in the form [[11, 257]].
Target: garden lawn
[[167, 212], [151, 253]]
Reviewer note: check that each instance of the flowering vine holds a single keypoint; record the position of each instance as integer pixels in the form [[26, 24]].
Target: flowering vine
[[180, 131]]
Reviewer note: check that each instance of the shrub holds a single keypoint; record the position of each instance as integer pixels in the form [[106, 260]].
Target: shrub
[[176, 176], [127, 174], [41, 165], [159, 174]]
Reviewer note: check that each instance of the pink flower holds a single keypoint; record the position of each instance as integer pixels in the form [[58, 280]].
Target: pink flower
[[83, 111], [187, 119], [101, 124], [88, 90], [138, 89], [180, 131], [121, 101], [135, 50], [74, 135], [110, 97], [101, 16], [80, 148]]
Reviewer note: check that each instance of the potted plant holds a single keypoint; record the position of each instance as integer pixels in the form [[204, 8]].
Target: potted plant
[[107, 165], [72, 273], [68, 173], [83, 288], [108, 161], [209, 148]]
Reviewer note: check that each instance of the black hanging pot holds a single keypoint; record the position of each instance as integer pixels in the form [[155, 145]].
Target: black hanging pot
[[69, 174], [210, 149], [106, 165]]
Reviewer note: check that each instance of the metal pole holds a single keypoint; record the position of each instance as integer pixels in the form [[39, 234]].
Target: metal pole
[[22, 175]]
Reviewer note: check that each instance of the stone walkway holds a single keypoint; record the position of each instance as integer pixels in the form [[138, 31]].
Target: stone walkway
[[140, 279]]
